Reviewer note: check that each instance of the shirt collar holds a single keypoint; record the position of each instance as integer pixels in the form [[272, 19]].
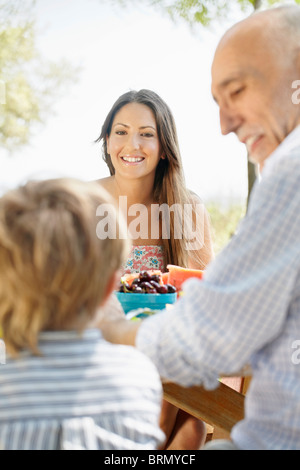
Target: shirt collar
[[70, 335], [291, 142]]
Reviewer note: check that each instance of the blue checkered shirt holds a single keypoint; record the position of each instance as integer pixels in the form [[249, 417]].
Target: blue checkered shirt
[[246, 311]]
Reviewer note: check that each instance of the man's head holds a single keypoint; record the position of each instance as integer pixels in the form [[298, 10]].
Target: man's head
[[55, 271], [255, 65]]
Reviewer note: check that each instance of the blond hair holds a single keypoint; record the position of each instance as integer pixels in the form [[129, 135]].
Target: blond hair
[[54, 269]]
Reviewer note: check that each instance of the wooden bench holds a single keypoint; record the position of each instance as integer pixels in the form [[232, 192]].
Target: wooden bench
[[221, 408]]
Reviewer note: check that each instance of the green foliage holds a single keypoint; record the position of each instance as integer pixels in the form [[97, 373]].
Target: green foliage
[[197, 11], [224, 222], [29, 84], [204, 11], [21, 105]]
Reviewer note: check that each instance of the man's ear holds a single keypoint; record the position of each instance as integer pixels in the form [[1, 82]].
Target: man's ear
[[111, 286]]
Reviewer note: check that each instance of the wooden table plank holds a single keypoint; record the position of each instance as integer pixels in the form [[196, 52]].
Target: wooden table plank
[[222, 407]]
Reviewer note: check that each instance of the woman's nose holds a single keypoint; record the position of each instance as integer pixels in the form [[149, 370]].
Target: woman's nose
[[133, 141]]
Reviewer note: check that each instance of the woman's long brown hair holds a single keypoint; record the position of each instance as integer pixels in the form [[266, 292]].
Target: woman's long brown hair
[[169, 184]]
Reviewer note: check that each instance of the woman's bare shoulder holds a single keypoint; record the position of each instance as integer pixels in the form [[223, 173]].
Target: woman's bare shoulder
[[106, 183], [198, 204], [194, 198]]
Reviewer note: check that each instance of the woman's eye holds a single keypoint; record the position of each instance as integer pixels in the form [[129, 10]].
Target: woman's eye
[[147, 134], [120, 132]]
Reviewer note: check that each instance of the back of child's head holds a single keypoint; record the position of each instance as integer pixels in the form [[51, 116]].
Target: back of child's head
[[54, 269]]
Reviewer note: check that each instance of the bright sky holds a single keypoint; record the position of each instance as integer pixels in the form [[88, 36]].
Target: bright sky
[[120, 49]]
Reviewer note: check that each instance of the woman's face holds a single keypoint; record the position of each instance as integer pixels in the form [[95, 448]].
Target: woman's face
[[133, 143]]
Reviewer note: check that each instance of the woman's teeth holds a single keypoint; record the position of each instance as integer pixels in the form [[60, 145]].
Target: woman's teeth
[[132, 159]]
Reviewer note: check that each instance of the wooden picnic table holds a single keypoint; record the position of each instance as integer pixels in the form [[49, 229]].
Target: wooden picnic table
[[222, 407]]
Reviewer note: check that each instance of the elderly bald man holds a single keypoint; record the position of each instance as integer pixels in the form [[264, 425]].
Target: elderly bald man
[[247, 308]]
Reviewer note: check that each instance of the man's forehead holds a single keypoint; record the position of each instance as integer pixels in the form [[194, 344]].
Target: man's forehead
[[229, 65], [240, 54], [249, 39]]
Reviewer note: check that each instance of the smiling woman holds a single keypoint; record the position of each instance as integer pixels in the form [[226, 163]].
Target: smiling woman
[[140, 147], [167, 57]]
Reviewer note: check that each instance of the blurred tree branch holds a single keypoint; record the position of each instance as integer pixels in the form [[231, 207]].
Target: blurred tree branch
[[30, 84], [201, 11]]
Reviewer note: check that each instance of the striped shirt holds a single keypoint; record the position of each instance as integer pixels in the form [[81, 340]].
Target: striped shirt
[[246, 311], [83, 393]]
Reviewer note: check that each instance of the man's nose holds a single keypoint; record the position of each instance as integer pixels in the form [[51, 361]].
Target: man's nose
[[229, 121]]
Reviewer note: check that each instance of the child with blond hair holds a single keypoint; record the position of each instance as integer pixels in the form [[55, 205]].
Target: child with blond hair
[[63, 386]]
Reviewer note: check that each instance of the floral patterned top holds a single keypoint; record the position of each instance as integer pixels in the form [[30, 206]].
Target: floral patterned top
[[144, 258]]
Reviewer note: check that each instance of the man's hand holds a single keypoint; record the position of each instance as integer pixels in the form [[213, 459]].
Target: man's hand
[[112, 322], [112, 310]]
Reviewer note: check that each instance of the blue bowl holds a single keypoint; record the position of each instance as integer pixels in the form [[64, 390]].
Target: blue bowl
[[131, 301]]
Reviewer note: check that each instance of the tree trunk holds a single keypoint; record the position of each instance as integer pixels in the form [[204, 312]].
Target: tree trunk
[[257, 4], [251, 178]]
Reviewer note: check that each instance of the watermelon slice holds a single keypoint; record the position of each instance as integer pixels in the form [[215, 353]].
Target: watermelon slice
[[129, 277], [165, 278], [178, 275]]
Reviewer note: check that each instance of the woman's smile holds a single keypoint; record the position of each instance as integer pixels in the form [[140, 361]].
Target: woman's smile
[[132, 160]]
